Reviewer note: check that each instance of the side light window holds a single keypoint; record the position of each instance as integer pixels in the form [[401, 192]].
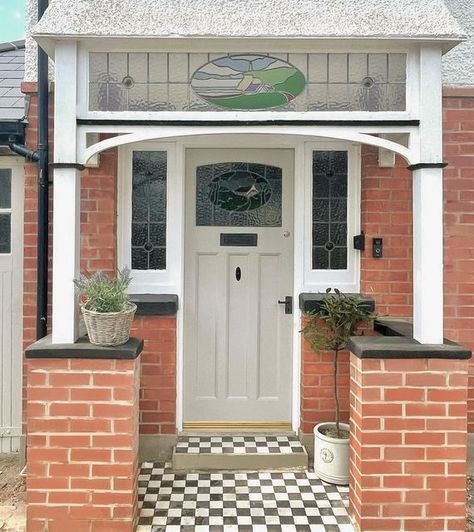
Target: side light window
[[149, 183], [329, 210]]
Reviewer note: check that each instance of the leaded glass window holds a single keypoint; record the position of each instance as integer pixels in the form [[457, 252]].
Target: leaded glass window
[[5, 209], [154, 81], [149, 210], [238, 194], [329, 210]]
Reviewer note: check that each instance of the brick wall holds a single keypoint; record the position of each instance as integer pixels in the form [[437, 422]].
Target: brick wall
[[82, 445], [459, 223], [158, 380], [408, 444], [317, 387], [386, 211], [99, 215]]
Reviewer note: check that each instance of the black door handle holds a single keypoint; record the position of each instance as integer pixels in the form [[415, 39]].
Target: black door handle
[[288, 302]]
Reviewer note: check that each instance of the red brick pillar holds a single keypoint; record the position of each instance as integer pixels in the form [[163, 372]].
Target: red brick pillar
[[408, 444], [82, 438]]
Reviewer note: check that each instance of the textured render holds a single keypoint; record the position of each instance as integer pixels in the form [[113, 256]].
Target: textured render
[[233, 18], [276, 17], [30, 45], [458, 64]]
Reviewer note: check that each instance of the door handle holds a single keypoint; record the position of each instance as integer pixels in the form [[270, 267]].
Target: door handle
[[288, 302]]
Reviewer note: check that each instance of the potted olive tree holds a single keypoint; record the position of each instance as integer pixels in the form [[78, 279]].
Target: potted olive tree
[[107, 310], [329, 329]]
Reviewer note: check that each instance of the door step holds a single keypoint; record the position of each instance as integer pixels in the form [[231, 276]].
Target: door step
[[239, 452]]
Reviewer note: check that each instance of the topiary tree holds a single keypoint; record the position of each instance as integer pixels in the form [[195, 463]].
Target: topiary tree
[[330, 328]]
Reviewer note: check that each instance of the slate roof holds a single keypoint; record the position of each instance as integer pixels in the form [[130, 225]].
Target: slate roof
[[400, 19], [12, 70]]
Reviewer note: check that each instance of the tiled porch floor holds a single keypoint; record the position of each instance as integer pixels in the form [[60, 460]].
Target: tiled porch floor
[[239, 445], [280, 501]]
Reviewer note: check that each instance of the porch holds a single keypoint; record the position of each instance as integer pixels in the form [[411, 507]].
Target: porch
[[233, 221]]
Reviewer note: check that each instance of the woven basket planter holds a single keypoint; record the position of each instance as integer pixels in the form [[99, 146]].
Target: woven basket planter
[[109, 328]]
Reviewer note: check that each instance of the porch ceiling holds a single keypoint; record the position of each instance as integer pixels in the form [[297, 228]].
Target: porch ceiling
[[268, 18]]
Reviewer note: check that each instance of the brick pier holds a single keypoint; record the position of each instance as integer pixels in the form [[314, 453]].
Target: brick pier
[[82, 441], [408, 444]]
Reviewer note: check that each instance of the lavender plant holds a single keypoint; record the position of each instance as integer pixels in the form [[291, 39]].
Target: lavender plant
[[102, 293]]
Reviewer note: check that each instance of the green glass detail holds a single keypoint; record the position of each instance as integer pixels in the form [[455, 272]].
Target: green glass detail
[[239, 191], [243, 82], [238, 194]]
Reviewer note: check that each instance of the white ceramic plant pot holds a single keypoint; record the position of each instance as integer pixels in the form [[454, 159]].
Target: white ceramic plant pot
[[331, 455]]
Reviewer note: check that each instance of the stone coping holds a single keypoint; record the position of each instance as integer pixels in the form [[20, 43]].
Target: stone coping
[[44, 348], [311, 302], [398, 342], [155, 304]]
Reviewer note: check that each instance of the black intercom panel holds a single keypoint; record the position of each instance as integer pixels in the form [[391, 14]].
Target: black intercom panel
[[377, 248]]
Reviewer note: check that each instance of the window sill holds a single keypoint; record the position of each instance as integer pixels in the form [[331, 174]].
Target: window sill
[[44, 348], [311, 302], [155, 304]]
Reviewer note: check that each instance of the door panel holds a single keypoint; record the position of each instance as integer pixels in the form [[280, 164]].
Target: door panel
[[11, 296], [237, 338]]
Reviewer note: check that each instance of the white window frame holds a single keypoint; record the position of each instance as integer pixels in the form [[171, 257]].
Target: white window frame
[[149, 281], [346, 280]]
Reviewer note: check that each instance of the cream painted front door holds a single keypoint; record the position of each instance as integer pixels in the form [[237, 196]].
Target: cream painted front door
[[238, 266]]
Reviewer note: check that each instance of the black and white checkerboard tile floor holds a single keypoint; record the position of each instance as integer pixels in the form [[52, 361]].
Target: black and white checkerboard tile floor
[[239, 445], [253, 502]]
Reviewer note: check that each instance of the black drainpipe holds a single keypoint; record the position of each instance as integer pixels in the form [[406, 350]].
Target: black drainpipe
[[43, 188]]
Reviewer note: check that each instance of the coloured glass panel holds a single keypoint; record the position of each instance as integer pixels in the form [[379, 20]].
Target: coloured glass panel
[[238, 194], [247, 82], [5, 233], [329, 210], [5, 188], [300, 82], [149, 210]]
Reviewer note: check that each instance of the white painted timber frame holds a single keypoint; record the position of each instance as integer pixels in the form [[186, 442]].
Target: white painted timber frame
[[66, 198], [424, 146], [347, 280], [151, 281], [11, 315], [219, 47]]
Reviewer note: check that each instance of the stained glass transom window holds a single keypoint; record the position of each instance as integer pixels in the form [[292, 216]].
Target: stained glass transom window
[[238, 194], [329, 210], [149, 210], [120, 81]]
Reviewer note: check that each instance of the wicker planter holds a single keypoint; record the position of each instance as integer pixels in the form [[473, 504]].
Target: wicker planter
[[109, 328]]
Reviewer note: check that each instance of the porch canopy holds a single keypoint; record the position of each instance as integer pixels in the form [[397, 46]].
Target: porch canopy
[[71, 31]]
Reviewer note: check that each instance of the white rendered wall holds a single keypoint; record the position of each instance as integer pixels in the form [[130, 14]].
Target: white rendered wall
[[458, 64]]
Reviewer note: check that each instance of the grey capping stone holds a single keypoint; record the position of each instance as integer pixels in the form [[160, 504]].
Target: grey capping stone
[[311, 302], [155, 304], [44, 348], [398, 342]]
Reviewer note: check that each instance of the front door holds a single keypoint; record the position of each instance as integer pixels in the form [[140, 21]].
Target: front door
[[238, 266]]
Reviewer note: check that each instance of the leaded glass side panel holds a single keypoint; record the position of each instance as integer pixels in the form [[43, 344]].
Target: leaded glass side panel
[[149, 182], [238, 194], [329, 210], [5, 188], [5, 233]]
